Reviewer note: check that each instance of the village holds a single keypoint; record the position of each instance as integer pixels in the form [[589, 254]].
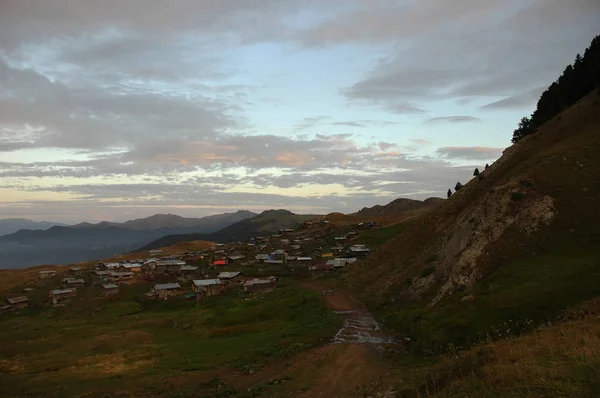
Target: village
[[311, 249]]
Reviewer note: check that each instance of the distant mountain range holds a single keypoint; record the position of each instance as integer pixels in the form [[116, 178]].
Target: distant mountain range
[[268, 222], [399, 206], [11, 225], [86, 242]]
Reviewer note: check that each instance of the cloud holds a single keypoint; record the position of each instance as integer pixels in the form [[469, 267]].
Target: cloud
[[518, 101], [453, 119], [438, 50], [470, 152]]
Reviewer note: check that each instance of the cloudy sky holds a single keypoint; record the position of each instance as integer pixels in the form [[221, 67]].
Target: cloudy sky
[[121, 109]]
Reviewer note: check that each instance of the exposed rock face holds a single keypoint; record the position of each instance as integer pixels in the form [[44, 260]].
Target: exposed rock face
[[481, 226]]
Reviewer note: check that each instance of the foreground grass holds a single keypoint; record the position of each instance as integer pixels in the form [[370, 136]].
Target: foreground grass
[[558, 361], [514, 299], [131, 343]]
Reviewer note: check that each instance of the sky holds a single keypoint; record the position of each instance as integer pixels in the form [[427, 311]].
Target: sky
[[114, 110]]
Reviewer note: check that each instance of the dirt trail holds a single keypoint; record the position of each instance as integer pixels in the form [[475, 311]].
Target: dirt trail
[[352, 359]]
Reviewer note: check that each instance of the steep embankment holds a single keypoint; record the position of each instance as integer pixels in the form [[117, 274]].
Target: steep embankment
[[518, 244]]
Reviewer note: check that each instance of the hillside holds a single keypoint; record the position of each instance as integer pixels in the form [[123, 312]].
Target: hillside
[[398, 207], [12, 225], [268, 222], [64, 245], [516, 245]]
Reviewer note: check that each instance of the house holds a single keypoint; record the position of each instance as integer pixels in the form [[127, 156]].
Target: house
[[208, 288], [75, 270], [304, 259], [273, 261], [352, 233], [235, 258], [231, 277], [110, 289], [256, 285], [220, 262], [166, 290], [130, 267], [120, 276], [47, 274], [155, 252], [73, 282], [100, 276], [360, 250], [62, 294], [18, 302], [338, 248], [337, 263], [108, 266], [340, 238], [278, 255], [321, 268], [187, 271], [349, 260], [261, 258], [327, 255]]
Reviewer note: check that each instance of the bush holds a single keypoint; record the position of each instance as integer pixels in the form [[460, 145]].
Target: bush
[[431, 258], [517, 196], [427, 271], [526, 183]]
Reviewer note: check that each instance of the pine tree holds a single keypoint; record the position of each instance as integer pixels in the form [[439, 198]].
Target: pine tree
[[576, 81], [487, 166], [458, 186], [476, 172], [449, 192]]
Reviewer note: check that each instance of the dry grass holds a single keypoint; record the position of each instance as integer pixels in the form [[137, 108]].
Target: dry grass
[[562, 360]]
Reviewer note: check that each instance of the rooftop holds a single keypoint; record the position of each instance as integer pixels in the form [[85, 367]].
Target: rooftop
[[206, 282], [167, 286], [17, 300]]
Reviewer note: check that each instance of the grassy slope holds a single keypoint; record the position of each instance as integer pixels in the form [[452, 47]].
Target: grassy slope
[[131, 343]]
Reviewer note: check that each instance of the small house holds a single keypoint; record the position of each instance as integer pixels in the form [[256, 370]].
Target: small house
[[231, 277], [47, 274], [278, 255], [115, 276], [166, 290], [187, 271], [75, 270], [337, 263], [340, 238], [73, 282], [360, 250], [18, 302], [235, 258], [108, 266], [220, 262], [100, 276], [130, 267], [110, 289], [154, 252], [208, 288], [62, 294], [261, 258], [322, 268], [256, 285], [301, 259]]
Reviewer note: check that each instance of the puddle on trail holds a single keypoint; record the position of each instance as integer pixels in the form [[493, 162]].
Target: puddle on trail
[[359, 328]]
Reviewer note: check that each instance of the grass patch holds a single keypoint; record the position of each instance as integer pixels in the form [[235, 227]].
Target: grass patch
[[378, 237], [111, 345], [512, 300]]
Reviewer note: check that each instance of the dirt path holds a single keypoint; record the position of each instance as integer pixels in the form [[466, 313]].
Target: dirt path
[[352, 360]]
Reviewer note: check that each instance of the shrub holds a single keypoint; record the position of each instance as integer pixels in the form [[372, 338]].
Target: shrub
[[526, 183], [427, 271], [517, 196]]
